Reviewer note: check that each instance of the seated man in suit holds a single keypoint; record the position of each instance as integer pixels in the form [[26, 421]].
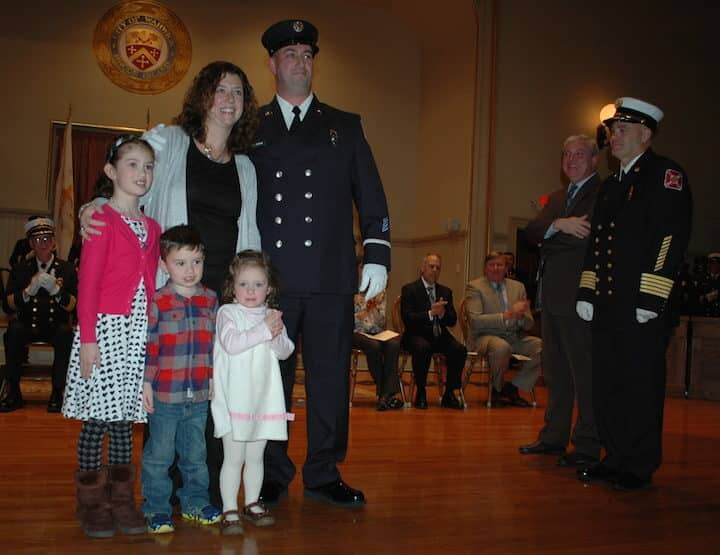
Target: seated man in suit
[[427, 311], [499, 316], [42, 290]]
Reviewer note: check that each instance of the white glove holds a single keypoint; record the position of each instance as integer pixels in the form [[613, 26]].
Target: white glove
[[374, 279], [35, 285], [46, 281], [156, 140], [52, 286], [642, 315], [585, 310]]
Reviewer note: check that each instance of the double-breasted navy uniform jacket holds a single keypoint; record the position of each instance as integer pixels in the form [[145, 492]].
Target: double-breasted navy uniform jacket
[[42, 313], [307, 183], [640, 230]]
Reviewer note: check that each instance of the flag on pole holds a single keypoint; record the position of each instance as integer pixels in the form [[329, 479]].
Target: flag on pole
[[64, 209]]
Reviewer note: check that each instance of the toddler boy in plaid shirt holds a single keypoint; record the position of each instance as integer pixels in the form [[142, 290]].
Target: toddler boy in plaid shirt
[[178, 383]]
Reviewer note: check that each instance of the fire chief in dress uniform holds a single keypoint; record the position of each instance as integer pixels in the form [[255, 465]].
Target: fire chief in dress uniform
[[640, 230], [313, 163], [42, 290]]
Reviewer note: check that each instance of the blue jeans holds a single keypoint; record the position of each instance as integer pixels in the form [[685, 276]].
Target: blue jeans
[[175, 427]]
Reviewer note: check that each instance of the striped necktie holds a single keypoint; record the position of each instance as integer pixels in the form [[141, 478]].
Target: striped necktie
[[436, 321]]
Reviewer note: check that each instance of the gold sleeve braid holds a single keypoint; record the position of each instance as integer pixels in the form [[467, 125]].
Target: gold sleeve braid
[[588, 280], [662, 254], [655, 285]]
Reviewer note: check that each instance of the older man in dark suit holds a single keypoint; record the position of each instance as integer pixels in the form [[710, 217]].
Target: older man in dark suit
[[563, 228], [427, 312]]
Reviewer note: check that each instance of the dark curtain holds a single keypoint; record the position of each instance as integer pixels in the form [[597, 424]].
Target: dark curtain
[[90, 146]]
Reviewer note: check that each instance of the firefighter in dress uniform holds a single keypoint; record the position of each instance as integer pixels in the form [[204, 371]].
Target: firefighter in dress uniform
[[640, 230], [313, 163], [42, 290]]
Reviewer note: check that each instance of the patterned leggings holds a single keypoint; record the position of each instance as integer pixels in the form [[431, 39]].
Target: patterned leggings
[[90, 443]]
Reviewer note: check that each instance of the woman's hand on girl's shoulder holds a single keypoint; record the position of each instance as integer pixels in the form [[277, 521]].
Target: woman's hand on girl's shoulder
[[90, 226]]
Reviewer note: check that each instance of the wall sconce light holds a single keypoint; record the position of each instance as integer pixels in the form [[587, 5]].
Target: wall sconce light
[[601, 136], [606, 112]]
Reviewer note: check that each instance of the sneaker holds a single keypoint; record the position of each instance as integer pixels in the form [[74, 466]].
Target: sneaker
[[207, 515], [160, 523]]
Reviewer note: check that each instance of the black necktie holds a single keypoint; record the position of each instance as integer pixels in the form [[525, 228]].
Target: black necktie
[[296, 119], [43, 266], [436, 321]]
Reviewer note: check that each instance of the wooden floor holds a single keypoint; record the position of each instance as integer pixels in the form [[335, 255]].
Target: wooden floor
[[437, 481]]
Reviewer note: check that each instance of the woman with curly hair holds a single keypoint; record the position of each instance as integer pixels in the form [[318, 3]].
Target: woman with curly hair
[[203, 178]]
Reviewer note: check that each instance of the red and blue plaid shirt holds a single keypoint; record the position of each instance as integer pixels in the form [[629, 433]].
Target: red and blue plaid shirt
[[181, 332]]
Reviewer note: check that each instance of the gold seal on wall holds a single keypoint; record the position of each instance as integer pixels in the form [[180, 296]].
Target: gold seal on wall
[[142, 46]]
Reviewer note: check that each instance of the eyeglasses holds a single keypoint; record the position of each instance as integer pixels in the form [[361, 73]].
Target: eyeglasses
[[42, 239]]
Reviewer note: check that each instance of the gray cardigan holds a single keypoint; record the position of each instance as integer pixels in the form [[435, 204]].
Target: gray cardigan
[[166, 201]]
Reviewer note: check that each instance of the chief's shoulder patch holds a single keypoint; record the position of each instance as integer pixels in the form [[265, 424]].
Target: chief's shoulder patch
[[673, 180]]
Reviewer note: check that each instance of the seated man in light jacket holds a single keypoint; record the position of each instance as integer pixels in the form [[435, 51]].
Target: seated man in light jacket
[[499, 316]]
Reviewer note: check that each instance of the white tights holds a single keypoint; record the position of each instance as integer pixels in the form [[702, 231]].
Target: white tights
[[237, 454]]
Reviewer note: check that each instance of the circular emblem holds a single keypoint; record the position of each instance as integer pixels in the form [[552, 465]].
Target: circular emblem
[[298, 26], [142, 47]]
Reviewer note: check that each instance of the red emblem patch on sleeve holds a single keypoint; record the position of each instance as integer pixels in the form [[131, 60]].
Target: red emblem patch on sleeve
[[673, 180]]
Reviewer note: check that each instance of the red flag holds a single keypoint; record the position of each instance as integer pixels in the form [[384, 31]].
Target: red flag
[[64, 210]]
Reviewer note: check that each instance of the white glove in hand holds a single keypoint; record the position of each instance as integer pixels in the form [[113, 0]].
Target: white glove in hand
[[642, 315], [585, 310], [35, 285], [153, 137], [53, 288], [47, 282], [374, 279]]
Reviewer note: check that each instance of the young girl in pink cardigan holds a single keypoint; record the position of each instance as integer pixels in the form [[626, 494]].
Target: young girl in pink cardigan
[[104, 383]]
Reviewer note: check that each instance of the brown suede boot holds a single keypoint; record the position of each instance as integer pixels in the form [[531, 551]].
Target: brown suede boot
[[127, 518], [93, 509]]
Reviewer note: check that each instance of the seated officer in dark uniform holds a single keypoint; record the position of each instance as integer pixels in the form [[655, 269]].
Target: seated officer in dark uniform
[[42, 290], [640, 230]]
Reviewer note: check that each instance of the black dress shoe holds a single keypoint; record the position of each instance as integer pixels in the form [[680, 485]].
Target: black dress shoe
[[576, 459], [626, 481], [12, 401], [420, 400], [449, 401], [597, 473], [381, 404], [393, 403], [511, 394], [271, 492], [337, 493], [55, 402], [541, 448]]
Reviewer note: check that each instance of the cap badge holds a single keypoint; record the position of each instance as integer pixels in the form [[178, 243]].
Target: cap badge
[[298, 26], [673, 180]]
